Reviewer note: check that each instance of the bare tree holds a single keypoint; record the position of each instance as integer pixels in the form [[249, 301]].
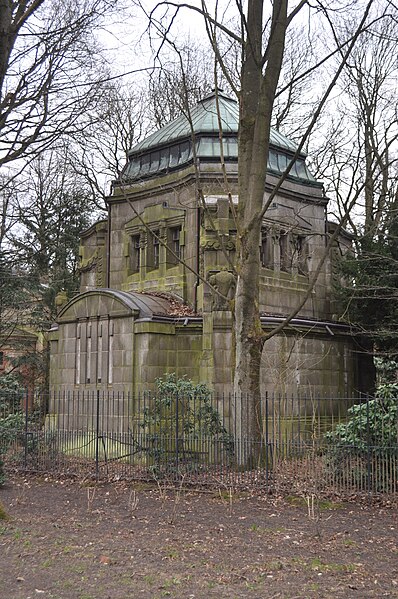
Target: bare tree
[[8, 212], [47, 53], [361, 159], [177, 85], [359, 153], [99, 152], [262, 39], [371, 75], [297, 96]]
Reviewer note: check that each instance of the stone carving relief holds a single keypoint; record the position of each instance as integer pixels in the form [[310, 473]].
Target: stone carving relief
[[216, 244], [61, 299], [225, 283], [87, 264]]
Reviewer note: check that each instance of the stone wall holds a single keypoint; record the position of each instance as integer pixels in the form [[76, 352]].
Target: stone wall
[[297, 210]]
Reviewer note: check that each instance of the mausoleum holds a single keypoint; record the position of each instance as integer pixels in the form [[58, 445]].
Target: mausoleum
[[145, 308]]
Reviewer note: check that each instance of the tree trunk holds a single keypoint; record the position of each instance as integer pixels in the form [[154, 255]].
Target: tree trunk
[[6, 37], [256, 103]]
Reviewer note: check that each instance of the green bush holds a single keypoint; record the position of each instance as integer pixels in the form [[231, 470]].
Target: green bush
[[11, 394], [10, 427], [179, 420], [11, 417], [364, 450]]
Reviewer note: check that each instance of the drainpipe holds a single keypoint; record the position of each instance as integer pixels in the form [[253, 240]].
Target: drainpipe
[[196, 163], [108, 250], [326, 220], [197, 282]]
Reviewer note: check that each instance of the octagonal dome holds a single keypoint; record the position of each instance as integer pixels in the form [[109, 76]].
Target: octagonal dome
[[171, 147]]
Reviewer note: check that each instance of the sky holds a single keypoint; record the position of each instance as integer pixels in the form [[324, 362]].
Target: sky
[[127, 42]]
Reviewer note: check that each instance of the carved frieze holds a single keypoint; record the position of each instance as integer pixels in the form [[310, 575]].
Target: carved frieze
[[217, 244]]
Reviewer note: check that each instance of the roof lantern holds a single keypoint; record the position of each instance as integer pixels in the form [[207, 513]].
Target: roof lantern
[[171, 147]]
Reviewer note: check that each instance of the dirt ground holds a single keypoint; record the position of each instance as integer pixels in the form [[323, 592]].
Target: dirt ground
[[66, 540]]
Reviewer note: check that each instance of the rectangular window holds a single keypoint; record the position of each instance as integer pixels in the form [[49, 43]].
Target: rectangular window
[[164, 159], [135, 254], [156, 249], [88, 353], [266, 254], [99, 353], [145, 164], [78, 354], [173, 242], [152, 250], [110, 353], [285, 259], [155, 156], [174, 156], [301, 251], [175, 236]]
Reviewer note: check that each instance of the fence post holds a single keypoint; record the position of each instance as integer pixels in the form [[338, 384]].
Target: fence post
[[266, 444], [97, 437], [26, 429], [368, 465], [177, 434]]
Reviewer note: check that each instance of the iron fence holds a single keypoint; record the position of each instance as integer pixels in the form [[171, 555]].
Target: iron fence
[[297, 444]]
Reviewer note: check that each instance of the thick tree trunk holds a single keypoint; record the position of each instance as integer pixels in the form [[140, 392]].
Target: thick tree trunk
[[256, 103], [6, 37]]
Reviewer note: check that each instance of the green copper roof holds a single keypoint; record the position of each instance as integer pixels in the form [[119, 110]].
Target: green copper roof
[[204, 119], [171, 147]]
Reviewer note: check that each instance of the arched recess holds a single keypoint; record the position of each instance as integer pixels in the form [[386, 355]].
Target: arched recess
[[92, 344]]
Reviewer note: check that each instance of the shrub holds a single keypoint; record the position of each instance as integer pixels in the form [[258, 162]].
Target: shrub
[[364, 450], [10, 427], [180, 419], [11, 394]]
